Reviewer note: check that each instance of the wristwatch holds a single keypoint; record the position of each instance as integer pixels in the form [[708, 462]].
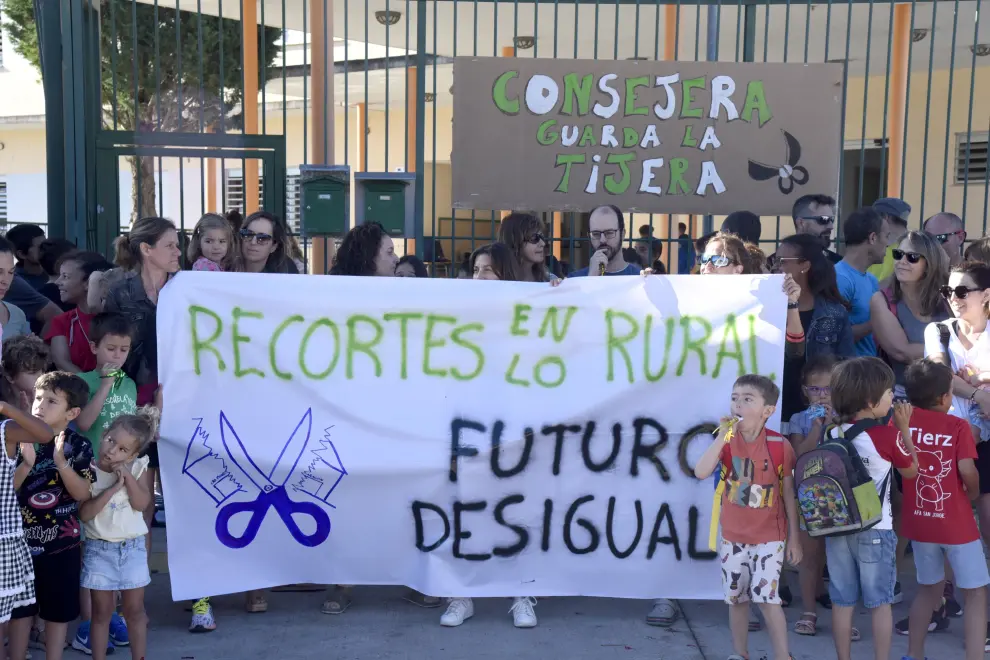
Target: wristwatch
[[791, 305]]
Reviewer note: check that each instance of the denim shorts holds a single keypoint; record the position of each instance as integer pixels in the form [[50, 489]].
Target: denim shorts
[[116, 566], [967, 561], [862, 566]]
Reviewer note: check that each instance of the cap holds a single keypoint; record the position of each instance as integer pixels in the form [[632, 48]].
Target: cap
[[893, 206]]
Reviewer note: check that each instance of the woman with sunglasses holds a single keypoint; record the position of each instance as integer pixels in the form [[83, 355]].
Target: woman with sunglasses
[[265, 245], [821, 329], [523, 234], [901, 312], [965, 347]]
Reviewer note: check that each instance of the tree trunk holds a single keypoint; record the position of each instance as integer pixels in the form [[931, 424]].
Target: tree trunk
[[143, 187]]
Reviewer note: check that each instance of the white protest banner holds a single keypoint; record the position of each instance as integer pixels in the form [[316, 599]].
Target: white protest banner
[[462, 438]]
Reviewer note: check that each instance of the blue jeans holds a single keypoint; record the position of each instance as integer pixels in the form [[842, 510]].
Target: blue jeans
[[862, 566], [115, 566]]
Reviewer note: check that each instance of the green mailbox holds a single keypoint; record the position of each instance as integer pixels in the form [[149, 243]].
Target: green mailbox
[[325, 199], [386, 198]]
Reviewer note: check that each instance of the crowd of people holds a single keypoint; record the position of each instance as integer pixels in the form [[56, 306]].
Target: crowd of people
[[900, 316]]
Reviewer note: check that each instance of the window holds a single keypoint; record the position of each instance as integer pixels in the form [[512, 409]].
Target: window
[[234, 194], [971, 147], [3, 206]]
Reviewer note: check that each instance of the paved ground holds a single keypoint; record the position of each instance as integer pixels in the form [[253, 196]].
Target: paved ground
[[381, 625]]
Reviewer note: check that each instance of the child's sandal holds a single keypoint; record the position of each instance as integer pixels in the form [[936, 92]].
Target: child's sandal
[[807, 625], [855, 636]]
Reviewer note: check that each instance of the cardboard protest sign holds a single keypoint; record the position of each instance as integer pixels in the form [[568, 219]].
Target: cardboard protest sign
[[669, 137], [460, 437]]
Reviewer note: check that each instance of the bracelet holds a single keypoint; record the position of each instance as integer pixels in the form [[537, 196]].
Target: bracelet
[[795, 339], [791, 305], [972, 397]]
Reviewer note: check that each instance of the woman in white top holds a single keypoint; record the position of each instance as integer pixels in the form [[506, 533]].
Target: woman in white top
[[965, 347]]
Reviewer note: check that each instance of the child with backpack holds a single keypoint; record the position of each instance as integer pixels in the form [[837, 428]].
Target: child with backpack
[[807, 428], [758, 511], [855, 516], [938, 517]]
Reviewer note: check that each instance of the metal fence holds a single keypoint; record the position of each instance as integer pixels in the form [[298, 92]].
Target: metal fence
[[368, 83]]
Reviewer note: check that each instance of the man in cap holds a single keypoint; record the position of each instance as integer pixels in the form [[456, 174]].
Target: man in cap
[[895, 211]]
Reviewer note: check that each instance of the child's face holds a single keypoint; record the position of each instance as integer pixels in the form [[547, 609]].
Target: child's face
[[118, 447], [51, 407], [71, 283], [748, 404], [817, 389], [214, 245], [112, 349]]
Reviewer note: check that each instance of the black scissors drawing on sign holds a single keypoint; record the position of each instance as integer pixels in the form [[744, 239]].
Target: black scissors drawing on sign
[[789, 174]]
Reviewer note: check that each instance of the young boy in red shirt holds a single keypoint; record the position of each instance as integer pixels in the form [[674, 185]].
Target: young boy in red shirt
[[759, 510], [937, 514]]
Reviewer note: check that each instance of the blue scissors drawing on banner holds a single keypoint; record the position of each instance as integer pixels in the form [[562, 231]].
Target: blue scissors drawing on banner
[[272, 492]]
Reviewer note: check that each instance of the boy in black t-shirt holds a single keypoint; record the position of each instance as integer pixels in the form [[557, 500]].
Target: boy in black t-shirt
[[51, 480]]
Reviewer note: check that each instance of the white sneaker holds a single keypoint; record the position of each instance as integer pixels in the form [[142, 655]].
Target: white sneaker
[[522, 612], [458, 611]]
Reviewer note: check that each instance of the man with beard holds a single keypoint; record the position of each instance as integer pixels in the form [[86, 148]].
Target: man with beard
[[606, 228], [814, 215]]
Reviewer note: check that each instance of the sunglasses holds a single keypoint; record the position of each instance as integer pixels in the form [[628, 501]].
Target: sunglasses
[[716, 260], [959, 292], [942, 238], [248, 236], [776, 261], [536, 238], [912, 257], [820, 219]]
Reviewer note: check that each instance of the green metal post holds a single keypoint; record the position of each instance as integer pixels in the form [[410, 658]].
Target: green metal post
[[420, 121]]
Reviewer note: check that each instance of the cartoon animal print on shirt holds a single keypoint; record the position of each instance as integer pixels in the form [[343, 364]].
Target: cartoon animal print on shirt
[[931, 470]]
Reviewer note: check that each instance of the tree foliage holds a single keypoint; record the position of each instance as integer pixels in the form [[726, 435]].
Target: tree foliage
[[161, 70]]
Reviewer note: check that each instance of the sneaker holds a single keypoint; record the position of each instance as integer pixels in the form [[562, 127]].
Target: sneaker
[[664, 613], [202, 617], [458, 611], [118, 631], [952, 607], [522, 612], [81, 641], [986, 644], [938, 623], [898, 595]]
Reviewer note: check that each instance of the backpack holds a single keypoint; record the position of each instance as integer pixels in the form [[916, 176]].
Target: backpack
[[776, 450], [835, 492]]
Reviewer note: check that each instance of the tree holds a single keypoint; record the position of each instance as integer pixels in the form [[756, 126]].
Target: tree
[[160, 70]]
